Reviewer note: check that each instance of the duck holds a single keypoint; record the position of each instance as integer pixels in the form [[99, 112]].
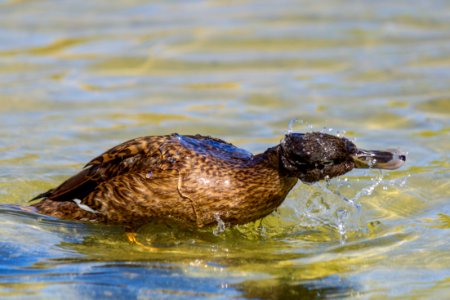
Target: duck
[[196, 180]]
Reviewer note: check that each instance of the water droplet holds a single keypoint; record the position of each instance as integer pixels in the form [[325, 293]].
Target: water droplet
[[291, 125], [220, 225], [262, 231], [403, 182], [342, 215], [204, 181], [369, 190]]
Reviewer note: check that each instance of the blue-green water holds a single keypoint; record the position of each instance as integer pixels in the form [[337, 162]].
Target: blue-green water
[[78, 77]]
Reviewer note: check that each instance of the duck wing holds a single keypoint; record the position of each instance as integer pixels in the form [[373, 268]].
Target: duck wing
[[131, 156], [142, 155]]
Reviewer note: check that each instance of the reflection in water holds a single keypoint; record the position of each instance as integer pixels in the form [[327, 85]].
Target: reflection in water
[[325, 288]]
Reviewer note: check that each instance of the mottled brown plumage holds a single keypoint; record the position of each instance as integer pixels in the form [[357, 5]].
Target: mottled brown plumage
[[194, 180]]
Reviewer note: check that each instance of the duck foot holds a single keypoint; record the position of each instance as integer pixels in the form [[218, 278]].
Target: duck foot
[[131, 236]]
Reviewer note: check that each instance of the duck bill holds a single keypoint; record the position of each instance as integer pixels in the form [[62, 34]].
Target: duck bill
[[388, 159]]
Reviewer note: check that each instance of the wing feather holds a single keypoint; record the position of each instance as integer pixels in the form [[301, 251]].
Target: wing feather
[[130, 156]]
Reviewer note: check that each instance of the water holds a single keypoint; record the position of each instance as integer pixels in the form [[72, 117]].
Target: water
[[78, 77]]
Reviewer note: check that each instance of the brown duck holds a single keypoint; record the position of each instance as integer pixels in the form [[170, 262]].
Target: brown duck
[[195, 179]]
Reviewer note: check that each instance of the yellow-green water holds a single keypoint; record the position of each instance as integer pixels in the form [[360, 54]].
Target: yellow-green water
[[77, 77]]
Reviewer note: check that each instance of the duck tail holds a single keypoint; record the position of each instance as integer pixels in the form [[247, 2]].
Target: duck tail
[[43, 195]]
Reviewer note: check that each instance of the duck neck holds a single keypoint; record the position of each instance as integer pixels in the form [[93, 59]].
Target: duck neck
[[273, 157]]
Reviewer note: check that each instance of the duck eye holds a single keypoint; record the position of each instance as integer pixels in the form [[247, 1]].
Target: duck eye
[[350, 147]]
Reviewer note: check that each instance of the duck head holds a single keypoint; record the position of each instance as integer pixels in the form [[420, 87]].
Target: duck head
[[315, 156]]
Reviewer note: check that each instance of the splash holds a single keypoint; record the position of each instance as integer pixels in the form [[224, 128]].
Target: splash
[[291, 124], [220, 225], [351, 218], [308, 127], [397, 182], [367, 191], [333, 131], [262, 231], [335, 203], [342, 216], [305, 126]]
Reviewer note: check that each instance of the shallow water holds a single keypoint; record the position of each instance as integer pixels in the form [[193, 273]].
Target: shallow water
[[78, 77]]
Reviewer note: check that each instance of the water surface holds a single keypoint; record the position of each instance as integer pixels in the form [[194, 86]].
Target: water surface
[[78, 77]]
